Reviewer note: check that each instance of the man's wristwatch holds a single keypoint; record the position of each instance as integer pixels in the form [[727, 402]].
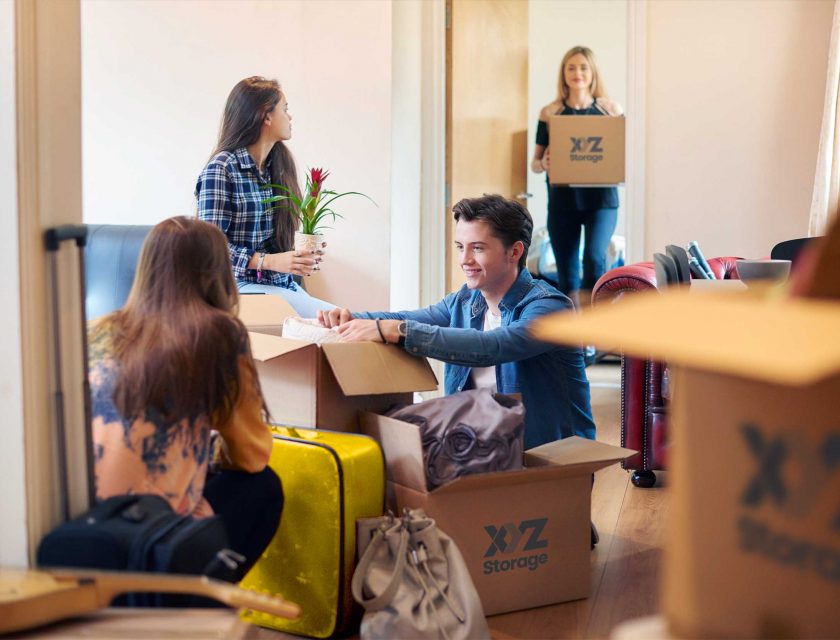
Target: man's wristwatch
[[402, 328]]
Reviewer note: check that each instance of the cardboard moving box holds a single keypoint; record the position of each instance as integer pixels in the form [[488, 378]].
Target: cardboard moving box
[[753, 538], [264, 313], [306, 385], [523, 534], [586, 150]]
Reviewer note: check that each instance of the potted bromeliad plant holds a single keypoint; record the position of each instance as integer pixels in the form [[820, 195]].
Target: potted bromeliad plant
[[312, 208]]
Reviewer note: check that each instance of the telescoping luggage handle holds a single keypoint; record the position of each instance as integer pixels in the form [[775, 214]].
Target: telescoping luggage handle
[[53, 238]]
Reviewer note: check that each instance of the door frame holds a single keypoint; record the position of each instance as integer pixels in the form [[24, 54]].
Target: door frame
[[636, 132], [636, 118]]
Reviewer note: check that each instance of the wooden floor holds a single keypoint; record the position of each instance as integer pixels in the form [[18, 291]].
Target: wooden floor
[[625, 565]]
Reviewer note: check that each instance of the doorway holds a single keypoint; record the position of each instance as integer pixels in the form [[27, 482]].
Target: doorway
[[486, 106]]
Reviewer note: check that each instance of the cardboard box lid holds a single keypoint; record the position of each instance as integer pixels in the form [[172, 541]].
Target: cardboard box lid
[[364, 368], [576, 452], [361, 368], [263, 310], [401, 443], [789, 341], [265, 347]]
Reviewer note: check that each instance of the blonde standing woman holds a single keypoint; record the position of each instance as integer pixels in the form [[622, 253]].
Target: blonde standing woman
[[580, 91]]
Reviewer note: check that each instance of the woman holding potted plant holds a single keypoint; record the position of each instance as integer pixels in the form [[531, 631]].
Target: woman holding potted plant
[[250, 169]]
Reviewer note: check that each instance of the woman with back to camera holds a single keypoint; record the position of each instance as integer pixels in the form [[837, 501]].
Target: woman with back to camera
[[250, 156], [580, 91], [168, 368]]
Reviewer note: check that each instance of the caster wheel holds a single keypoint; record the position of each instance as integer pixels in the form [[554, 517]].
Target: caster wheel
[[643, 479]]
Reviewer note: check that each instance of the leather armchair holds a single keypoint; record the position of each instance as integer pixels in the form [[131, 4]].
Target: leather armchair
[[644, 383]]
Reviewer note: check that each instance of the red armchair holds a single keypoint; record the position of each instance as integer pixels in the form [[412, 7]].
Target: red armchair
[[644, 383]]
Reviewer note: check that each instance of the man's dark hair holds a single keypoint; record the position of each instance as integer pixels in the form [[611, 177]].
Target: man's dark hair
[[509, 221]]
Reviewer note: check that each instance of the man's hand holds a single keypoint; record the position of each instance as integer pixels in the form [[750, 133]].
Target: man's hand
[[360, 330], [334, 317]]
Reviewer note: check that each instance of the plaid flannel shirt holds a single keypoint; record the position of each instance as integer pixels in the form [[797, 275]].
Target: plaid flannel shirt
[[230, 192]]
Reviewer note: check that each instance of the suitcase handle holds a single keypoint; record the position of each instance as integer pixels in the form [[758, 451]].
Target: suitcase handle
[[55, 236]]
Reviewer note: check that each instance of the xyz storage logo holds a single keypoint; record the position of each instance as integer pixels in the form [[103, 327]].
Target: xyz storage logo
[[792, 476], [516, 543], [587, 149]]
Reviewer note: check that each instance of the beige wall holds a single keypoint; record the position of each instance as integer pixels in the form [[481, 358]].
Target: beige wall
[[734, 102], [155, 78]]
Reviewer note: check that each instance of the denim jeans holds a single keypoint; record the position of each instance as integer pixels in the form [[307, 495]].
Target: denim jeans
[[564, 232], [304, 305]]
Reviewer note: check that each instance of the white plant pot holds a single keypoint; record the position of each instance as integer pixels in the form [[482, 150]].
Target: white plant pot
[[308, 242]]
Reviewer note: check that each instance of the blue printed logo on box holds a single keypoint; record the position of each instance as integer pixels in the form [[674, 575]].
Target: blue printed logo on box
[[789, 474], [506, 539], [587, 149]]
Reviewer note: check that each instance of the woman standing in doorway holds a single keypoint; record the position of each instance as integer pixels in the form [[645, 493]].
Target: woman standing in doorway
[[580, 91], [231, 191]]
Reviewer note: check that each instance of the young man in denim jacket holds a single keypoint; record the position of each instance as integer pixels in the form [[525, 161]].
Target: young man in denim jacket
[[481, 331]]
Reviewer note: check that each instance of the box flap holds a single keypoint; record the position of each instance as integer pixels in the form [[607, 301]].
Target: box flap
[[402, 446], [365, 368], [542, 471], [576, 452], [781, 340], [263, 310], [265, 347]]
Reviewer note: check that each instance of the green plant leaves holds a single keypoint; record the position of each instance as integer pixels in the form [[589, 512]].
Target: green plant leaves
[[309, 211]]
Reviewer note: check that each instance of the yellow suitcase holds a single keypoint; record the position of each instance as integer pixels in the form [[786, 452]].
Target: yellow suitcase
[[329, 480]]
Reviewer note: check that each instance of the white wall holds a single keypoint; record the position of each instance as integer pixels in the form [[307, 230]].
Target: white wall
[[734, 101], [155, 78], [13, 545], [554, 28]]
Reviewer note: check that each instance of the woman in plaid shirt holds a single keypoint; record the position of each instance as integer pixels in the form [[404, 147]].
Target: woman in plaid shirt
[[249, 157]]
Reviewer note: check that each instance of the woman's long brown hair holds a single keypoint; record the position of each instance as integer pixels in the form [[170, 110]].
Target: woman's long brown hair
[[177, 341], [247, 105]]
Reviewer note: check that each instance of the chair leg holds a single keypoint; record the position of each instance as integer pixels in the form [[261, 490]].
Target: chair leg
[[643, 479]]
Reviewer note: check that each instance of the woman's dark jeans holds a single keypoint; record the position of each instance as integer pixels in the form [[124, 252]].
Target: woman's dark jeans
[[564, 232]]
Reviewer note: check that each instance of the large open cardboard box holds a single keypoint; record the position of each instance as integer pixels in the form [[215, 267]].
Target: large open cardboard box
[[586, 150], [523, 534], [306, 385], [753, 536]]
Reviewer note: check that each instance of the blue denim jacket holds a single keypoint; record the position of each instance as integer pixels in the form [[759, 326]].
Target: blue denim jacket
[[551, 378]]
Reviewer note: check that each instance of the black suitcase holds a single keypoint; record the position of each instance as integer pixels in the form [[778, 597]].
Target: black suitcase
[[139, 533]]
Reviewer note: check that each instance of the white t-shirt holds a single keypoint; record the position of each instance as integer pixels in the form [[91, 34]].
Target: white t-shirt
[[485, 377]]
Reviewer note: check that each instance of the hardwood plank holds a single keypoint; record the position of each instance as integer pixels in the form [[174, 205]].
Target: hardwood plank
[[629, 587]]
